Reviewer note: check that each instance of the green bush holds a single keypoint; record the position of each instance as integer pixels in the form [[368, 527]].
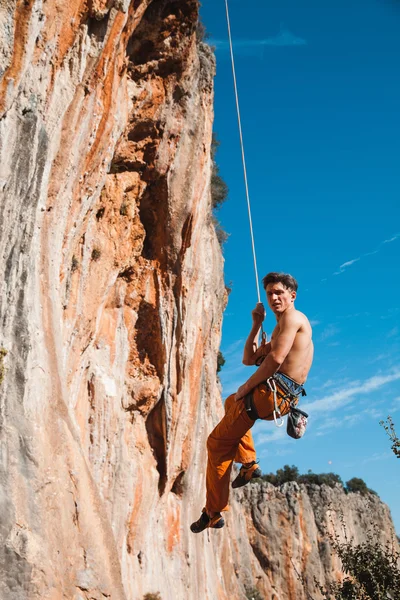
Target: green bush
[[358, 485], [371, 569], [330, 479], [201, 32], [390, 430], [152, 596], [282, 475], [219, 189], [220, 361], [219, 192]]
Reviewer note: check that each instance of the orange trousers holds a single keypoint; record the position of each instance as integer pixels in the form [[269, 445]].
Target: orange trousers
[[232, 441]]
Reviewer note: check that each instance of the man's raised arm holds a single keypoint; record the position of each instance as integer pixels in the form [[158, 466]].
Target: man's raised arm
[[280, 348], [250, 348]]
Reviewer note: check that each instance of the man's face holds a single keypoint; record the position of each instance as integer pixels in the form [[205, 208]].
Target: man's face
[[279, 298]]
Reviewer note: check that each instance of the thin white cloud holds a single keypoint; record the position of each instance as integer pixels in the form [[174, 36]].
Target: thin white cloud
[[276, 435], [395, 406], [346, 395], [268, 453], [345, 265], [232, 348], [392, 239], [374, 413], [393, 332], [349, 263], [390, 313], [328, 332], [283, 39], [339, 422], [379, 357], [376, 456], [315, 322], [327, 384]]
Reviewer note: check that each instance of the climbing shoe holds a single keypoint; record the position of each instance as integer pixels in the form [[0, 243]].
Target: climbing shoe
[[246, 474], [206, 522]]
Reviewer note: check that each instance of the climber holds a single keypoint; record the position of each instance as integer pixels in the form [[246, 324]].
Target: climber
[[285, 361]]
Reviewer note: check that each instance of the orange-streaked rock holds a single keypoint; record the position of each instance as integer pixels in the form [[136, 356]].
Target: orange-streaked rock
[[110, 306]]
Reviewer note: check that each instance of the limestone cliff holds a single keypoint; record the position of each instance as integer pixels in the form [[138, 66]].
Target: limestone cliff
[[287, 530], [111, 298], [111, 302]]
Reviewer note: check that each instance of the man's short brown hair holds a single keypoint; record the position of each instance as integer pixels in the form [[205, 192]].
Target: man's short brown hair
[[288, 281]]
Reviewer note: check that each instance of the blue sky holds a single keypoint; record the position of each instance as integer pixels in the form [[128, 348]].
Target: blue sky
[[319, 89]]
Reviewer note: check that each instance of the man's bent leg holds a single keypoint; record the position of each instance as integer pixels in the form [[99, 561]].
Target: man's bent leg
[[223, 446], [245, 452]]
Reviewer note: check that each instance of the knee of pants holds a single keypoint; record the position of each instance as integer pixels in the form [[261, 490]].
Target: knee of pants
[[229, 401], [211, 444]]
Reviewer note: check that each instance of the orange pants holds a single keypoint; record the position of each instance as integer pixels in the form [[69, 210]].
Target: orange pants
[[232, 441]]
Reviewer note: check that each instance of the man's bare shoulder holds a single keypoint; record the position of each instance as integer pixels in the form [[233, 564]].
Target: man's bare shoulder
[[294, 316]]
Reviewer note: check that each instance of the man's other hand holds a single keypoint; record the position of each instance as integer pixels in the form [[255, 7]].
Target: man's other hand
[[242, 391], [258, 314]]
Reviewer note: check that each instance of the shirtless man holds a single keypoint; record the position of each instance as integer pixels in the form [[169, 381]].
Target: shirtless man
[[285, 361]]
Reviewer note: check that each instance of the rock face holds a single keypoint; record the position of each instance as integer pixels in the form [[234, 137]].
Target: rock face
[[111, 303], [287, 529]]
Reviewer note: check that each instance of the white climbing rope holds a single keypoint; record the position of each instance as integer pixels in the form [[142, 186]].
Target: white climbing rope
[[242, 147]]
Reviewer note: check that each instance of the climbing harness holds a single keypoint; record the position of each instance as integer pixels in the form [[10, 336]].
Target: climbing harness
[[246, 184], [277, 414], [297, 419]]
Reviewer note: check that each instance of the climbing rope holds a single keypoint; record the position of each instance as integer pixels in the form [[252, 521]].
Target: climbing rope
[[242, 147], [246, 184]]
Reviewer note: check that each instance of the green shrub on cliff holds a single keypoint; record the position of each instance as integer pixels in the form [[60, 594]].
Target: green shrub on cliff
[[330, 479], [390, 430], [219, 189], [292, 474], [371, 569], [288, 473], [220, 361], [219, 192], [282, 475], [201, 32], [358, 485]]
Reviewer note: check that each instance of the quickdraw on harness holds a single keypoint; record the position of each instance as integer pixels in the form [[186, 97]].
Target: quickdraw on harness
[[277, 415]]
